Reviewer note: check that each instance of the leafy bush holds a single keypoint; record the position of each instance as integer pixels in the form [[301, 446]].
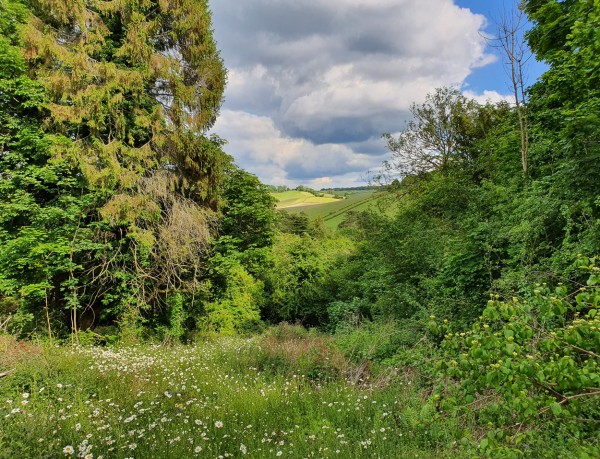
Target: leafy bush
[[528, 365], [236, 310], [374, 341]]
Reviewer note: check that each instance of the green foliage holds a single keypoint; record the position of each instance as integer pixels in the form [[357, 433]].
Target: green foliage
[[528, 365], [109, 184], [368, 341], [342, 312], [293, 223], [247, 227], [443, 134], [296, 282], [42, 201], [236, 307]]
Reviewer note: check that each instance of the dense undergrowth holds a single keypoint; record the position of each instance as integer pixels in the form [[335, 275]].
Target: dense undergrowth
[[454, 323]]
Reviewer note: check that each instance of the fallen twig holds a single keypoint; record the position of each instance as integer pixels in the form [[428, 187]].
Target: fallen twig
[[6, 373]]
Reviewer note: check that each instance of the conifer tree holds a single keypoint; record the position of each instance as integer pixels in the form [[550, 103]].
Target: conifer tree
[[130, 89]]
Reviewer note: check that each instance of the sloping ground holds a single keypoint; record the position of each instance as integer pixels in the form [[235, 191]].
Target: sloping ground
[[295, 198], [333, 213], [266, 397]]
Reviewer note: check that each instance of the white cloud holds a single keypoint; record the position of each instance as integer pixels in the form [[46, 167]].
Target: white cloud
[[260, 147], [489, 96], [318, 79]]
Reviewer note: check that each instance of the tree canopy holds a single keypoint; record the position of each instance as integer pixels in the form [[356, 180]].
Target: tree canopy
[[110, 182]]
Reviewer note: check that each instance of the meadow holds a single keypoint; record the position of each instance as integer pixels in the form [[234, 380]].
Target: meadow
[[295, 198], [282, 394], [333, 211]]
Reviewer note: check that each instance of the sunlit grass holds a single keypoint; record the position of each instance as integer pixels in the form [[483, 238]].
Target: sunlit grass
[[293, 198], [263, 397]]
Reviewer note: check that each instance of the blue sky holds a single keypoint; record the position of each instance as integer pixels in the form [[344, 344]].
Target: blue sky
[[314, 83], [494, 76]]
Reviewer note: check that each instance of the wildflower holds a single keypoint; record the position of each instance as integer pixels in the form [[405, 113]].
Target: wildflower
[[25, 395], [243, 449], [132, 446], [78, 426], [197, 449], [59, 385], [68, 449], [218, 424], [279, 453]]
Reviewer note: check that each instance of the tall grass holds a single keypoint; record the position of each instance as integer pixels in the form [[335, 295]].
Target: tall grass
[[285, 394]]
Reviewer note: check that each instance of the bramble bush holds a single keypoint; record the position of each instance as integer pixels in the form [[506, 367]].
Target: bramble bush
[[528, 368]]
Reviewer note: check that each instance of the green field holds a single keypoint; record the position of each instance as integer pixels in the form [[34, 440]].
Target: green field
[[293, 199], [333, 211]]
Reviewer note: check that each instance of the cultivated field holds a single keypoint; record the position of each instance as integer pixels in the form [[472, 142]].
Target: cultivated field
[[333, 211], [295, 199]]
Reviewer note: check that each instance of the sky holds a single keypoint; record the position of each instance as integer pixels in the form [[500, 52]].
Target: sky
[[312, 84]]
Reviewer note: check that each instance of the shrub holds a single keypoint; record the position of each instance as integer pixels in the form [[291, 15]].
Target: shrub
[[529, 365]]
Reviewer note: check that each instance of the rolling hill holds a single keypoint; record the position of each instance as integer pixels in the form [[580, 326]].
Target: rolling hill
[[332, 210]]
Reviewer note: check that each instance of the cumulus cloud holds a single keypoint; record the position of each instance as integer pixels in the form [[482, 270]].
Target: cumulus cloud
[[317, 81], [489, 96], [259, 146]]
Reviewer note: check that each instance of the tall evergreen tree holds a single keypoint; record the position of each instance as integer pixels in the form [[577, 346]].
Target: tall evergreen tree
[[128, 91]]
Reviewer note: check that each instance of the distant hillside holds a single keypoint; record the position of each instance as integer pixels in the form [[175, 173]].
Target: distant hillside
[[353, 188], [332, 210], [294, 198]]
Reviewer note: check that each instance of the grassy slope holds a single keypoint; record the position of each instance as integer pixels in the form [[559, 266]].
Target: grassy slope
[[269, 396], [334, 211], [295, 198]]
